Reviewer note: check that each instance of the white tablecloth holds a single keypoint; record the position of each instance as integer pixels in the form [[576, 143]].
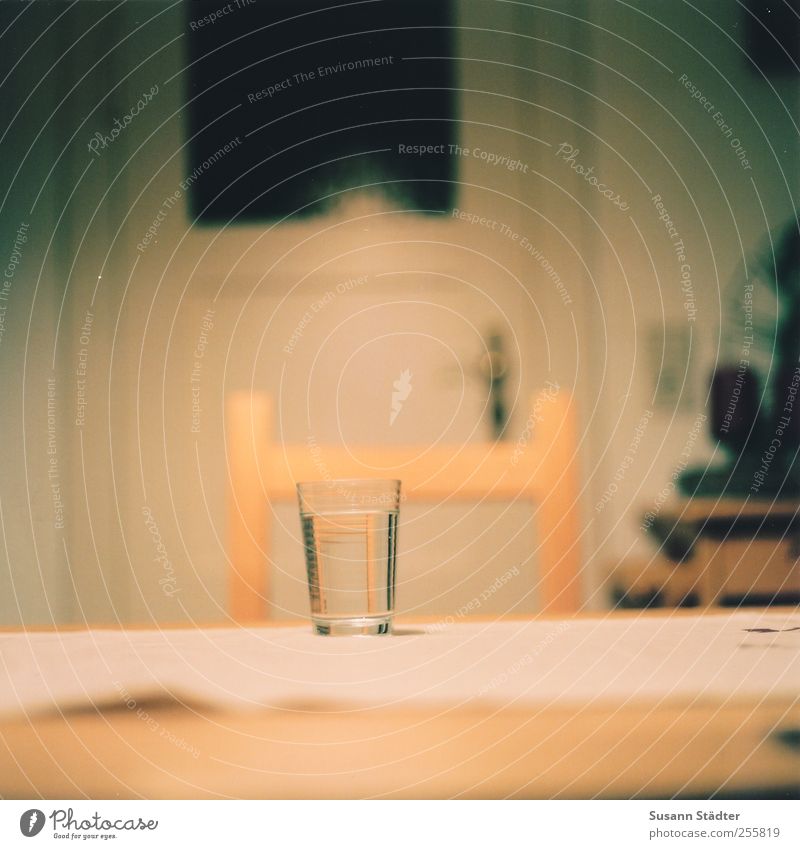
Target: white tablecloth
[[586, 662]]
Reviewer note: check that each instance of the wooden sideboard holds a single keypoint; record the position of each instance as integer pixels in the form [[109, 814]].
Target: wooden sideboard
[[728, 552]]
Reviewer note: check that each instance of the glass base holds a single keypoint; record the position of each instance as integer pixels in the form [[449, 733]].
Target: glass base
[[356, 626]]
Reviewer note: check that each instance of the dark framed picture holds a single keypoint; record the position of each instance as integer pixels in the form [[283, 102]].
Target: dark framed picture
[[297, 102], [772, 33]]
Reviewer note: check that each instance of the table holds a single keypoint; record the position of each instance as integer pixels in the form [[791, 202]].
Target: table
[[695, 745]]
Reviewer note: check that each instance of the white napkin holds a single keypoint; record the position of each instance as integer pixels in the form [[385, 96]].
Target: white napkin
[[531, 664]]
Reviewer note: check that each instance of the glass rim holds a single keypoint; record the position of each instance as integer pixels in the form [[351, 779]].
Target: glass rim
[[332, 482]]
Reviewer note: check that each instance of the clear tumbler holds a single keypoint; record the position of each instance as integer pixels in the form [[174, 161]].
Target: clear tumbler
[[350, 538]]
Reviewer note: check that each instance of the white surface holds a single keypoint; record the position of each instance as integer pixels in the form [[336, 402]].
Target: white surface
[[539, 663]]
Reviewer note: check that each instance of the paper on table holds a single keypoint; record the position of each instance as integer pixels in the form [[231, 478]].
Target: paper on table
[[535, 663]]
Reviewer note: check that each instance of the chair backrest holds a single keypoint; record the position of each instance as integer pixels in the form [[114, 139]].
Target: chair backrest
[[540, 466]]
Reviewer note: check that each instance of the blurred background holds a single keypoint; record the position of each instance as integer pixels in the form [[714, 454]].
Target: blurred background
[[562, 196]]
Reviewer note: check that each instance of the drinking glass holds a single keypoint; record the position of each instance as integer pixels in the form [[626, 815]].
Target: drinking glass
[[350, 538]]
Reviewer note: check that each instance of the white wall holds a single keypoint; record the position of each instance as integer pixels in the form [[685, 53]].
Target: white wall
[[35, 582], [534, 79], [674, 148], [431, 296]]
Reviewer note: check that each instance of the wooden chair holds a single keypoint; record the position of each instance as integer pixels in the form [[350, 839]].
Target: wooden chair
[[539, 467]]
